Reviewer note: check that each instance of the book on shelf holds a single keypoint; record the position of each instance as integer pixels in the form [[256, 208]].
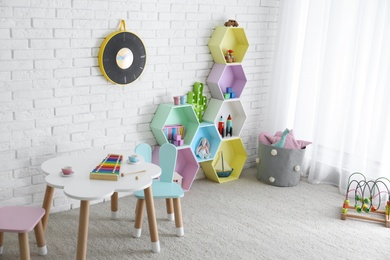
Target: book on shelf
[[108, 169]]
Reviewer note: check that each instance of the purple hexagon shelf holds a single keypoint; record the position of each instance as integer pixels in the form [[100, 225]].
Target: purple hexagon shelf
[[222, 77]]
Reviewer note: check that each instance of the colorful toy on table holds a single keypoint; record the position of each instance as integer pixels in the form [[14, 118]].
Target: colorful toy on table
[[203, 149], [229, 126], [108, 169], [221, 127], [367, 196], [197, 100]]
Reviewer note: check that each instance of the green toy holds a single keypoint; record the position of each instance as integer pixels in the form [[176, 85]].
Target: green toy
[[197, 100]]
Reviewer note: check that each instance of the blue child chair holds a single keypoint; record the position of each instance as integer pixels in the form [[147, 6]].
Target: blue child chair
[[163, 188], [145, 151]]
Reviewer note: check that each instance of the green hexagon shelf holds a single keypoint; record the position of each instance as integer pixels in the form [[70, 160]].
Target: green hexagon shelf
[[225, 38], [235, 155], [169, 115]]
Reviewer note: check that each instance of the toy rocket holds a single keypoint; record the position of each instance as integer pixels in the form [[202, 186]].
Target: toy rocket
[[229, 126], [221, 127]]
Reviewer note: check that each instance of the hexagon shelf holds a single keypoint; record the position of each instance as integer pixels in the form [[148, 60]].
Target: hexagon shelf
[[225, 38], [234, 154], [168, 115], [209, 131], [222, 77], [186, 165], [233, 107]]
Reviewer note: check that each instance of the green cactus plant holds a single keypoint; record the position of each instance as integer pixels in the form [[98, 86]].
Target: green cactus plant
[[197, 100]]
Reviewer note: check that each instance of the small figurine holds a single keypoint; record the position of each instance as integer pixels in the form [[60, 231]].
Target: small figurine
[[221, 127], [229, 126], [203, 149], [229, 56], [231, 23]]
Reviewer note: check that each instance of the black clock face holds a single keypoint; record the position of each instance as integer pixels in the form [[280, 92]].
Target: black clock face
[[123, 58]]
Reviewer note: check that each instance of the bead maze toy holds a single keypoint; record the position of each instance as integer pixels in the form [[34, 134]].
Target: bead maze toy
[[367, 198]]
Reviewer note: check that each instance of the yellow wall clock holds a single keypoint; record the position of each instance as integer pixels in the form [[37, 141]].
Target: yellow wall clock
[[122, 56]]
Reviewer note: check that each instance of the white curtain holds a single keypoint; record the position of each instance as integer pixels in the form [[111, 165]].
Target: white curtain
[[331, 85]]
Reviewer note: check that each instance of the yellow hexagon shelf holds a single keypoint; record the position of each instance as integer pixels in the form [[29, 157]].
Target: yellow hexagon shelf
[[228, 38], [234, 155]]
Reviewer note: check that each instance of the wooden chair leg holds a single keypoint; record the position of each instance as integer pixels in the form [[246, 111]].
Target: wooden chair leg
[[139, 217], [39, 236], [24, 246], [178, 217], [169, 203], [114, 205], [1, 242]]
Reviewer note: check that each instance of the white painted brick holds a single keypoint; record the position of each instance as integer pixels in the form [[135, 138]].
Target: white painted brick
[[28, 190], [90, 117], [33, 54], [35, 151], [16, 65], [52, 64], [88, 135], [34, 94], [72, 33], [52, 122], [88, 4], [118, 139], [89, 24], [69, 129], [73, 53], [51, 3], [16, 126], [71, 110], [54, 102], [49, 43], [71, 72], [21, 12], [108, 123], [34, 114], [14, 23], [13, 44], [75, 13], [5, 33], [50, 140]]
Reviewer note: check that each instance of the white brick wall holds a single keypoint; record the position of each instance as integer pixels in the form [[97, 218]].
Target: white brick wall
[[54, 101]]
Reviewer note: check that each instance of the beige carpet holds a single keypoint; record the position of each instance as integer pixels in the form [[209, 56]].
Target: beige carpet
[[242, 219]]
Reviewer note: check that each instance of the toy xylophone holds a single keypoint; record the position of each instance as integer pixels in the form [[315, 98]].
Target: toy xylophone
[[108, 169]]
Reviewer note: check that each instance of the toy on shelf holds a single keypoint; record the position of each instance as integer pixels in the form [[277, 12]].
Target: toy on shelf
[[172, 132], [222, 167], [203, 149], [221, 127], [177, 140], [367, 198], [229, 56], [229, 126], [197, 100], [230, 23]]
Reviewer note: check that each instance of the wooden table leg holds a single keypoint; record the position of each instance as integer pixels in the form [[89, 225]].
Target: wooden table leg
[[47, 201], [152, 219], [83, 230], [114, 205]]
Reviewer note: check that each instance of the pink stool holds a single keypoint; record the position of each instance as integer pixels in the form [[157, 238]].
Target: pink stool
[[21, 220]]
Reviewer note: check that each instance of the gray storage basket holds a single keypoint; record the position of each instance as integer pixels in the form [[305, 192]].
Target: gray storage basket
[[279, 166]]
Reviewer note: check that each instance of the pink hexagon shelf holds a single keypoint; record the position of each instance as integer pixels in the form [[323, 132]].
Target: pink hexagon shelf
[[186, 165], [222, 77]]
